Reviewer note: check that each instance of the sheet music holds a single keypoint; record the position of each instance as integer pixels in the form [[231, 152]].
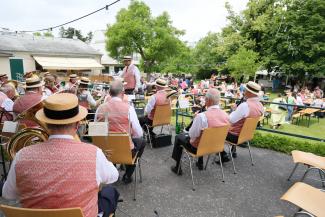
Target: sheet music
[[98, 128], [10, 127]]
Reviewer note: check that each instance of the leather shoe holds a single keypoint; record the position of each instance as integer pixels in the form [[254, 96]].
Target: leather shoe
[[200, 166], [126, 180], [224, 159], [234, 154], [174, 170]]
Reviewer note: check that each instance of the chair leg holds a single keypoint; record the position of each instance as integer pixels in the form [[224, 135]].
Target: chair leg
[[232, 159], [162, 127], [148, 131], [322, 177], [190, 160], [140, 171], [292, 172], [206, 164], [250, 153], [223, 175], [135, 184], [180, 163]]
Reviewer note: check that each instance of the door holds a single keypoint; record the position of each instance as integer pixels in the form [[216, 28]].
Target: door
[[17, 69]]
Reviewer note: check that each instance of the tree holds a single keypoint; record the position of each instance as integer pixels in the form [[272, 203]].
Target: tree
[[45, 34], [244, 62], [136, 30], [70, 32]]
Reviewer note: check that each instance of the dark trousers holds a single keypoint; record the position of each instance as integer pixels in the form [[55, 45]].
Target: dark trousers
[[139, 145], [183, 140], [129, 91], [107, 200], [146, 121], [233, 139]]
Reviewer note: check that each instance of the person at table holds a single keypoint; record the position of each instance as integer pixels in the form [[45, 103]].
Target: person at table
[[250, 108], [32, 98], [131, 75], [61, 172], [159, 98], [122, 118], [213, 117]]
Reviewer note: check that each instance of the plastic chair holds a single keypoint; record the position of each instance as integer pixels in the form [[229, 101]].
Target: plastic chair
[[162, 117], [10, 211], [312, 161], [246, 134], [310, 200], [211, 142], [117, 148]]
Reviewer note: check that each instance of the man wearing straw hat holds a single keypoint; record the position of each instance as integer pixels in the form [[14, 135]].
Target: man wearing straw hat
[[61, 172], [250, 109], [131, 76], [71, 86], [32, 98], [3, 79], [84, 95], [159, 98]]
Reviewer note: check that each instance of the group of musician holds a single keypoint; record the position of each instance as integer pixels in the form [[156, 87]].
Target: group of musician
[[64, 172]]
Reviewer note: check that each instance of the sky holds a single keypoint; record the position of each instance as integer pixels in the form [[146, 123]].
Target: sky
[[196, 17]]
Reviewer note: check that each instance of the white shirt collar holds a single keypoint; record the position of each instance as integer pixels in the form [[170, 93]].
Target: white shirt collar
[[214, 107], [116, 98], [61, 136]]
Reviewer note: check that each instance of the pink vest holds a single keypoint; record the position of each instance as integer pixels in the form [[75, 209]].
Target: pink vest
[[216, 118], [129, 77], [255, 110], [118, 116], [5, 115], [26, 102], [59, 173], [161, 99]]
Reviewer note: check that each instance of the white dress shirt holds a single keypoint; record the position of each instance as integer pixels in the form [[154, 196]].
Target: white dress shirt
[[242, 111], [200, 122], [137, 75], [150, 105], [135, 124], [90, 98], [106, 173], [7, 105]]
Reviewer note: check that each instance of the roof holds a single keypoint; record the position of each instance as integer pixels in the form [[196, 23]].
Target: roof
[[45, 45]]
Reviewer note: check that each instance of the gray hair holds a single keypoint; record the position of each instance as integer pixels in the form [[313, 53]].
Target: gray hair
[[213, 95], [116, 87], [7, 88]]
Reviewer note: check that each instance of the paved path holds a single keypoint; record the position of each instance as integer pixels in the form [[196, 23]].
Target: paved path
[[254, 191]]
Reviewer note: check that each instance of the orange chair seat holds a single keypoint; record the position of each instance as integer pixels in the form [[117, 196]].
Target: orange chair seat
[[308, 159]]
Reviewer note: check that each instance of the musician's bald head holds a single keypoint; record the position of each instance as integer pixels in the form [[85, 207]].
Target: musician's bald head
[[212, 97], [9, 90], [116, 88]]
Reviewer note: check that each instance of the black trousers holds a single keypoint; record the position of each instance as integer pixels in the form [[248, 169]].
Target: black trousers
[[232, 138], [146, 121], [183, 140], [139, 145], [107, 200], [129, 91]]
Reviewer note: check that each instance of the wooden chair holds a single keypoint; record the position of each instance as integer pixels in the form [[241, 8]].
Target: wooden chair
[[24, 212], [312, 161], [246, 134], [162, 117], [310, 200], [116, 147], [211, 142]]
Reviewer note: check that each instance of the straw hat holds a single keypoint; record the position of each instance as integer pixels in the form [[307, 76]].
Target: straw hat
[[62, 108], [161, 83], [3, 75], [84, 80], [73, 76], [33, 82], [127, 58], [253, 87]]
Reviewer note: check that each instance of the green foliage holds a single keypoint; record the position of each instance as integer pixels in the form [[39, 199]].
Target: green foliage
[[70, 32], [45, 34], [136, 30], [37, 34], [244, 62], [286, 144]]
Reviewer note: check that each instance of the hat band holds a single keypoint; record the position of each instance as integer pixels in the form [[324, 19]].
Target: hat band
[[161, 84], [252, 89], [61, 115], [32, 83]]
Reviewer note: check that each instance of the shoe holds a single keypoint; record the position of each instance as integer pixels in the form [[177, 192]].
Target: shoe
[[224, 159], [126, 180], [200, 166], [233, 151], [174, 170]]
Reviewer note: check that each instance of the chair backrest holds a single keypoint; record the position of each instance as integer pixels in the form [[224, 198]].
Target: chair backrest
[[248, 129], [23, 212], [306, 197], [116, 147], [162, 116], [212, 140]]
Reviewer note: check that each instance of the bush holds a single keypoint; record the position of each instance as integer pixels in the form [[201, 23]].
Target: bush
[[286, 145]]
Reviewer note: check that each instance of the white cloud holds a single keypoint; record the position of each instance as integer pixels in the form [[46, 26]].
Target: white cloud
[[196, 17]]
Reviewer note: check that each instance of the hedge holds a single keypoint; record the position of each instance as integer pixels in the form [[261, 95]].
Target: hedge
[[287, 144]]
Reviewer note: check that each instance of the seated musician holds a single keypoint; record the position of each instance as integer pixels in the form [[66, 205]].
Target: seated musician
[[72, 85], [213, 117], [32, 97], [122, 118], [159, 98], [85, 98], [7, 93], [61, 172], [49, 87], [250, 109]]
